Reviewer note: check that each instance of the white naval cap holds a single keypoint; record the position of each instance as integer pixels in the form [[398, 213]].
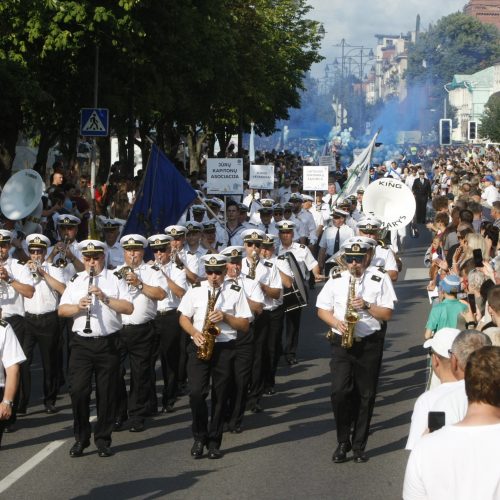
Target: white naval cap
[[198, 208], [267, 202], [233, 252], [269, 240], [369, 224], [339, 211], [91, 246], [133, 241], [193, 226], [159, 240], [37, 240], [110, 224], [306, 197], [67, 220], [352, 246], [253, 235], [295, 197], [176, 231], [214, 260], [285, 225], [5, 236]]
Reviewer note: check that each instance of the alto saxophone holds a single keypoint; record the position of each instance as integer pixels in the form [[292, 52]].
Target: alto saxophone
[[351, 316], [210, 331]]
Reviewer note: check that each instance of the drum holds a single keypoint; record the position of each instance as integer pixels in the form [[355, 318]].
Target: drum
[[296, 296]]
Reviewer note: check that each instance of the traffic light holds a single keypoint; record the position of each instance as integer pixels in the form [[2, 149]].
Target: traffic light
[[445, 132], [472, 131]]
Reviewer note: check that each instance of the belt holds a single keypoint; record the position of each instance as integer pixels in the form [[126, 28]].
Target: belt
[[39, 316], [166, 313], [96, 337], [140, 325]]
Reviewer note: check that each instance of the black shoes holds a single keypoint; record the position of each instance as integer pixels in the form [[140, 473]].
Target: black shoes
[[359, 457], [270, 391], [256, 408], [50, 409], [137, 427], [168, 409], [197, 449], [9, 429], [77, 449], [214, 453], [104, 451], [291, 360], [21, 412], [118, 425], [236, 429], [340, 454]]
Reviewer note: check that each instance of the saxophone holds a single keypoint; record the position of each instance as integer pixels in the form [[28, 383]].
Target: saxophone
[[351, 316], [253, 266], [210, 331]]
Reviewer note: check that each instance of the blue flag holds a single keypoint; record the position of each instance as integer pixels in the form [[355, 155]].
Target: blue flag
[[162, 198]]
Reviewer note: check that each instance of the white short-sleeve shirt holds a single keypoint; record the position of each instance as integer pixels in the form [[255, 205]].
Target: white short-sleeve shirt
[[45, 299], [11, 300], [178, 276], [10, 350]]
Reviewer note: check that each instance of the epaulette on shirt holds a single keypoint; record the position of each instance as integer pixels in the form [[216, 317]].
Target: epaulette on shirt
[[118, 274], [236, 288], [282, 257], [268, 264], [180, 266], [3, 323], [335, 276], [21, 262], [73, 278], [196, 285], [302, 246], [381, 269], [376, 278]]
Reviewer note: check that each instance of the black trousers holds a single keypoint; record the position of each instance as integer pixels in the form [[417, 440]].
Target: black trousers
[[41, 329], [136, 341], [3, 423], [273, 348], [169, 331], [421, 209], [242, 372], [99, 357], [261, 330], [219, 368], [65, 334], [355, 374], [17, 324], [292, 320]]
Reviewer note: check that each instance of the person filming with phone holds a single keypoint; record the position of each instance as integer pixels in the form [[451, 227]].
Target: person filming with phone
[[460, 461]]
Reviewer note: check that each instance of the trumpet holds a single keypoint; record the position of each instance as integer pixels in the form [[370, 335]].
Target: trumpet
[[62, 261], [126, 270], [34, 266], [157, 264], [87, 328]]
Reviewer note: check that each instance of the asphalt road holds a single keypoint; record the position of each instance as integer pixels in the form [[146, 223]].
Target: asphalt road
[[283, 453]]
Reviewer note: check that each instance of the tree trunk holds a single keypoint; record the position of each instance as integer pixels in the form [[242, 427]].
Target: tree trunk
[[46, 142], [104, 145], [195, 139]]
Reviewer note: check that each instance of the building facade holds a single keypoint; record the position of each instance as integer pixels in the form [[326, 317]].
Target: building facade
[[487, 11]]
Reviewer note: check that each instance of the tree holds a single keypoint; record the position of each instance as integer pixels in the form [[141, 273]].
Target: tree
[[490, 120]]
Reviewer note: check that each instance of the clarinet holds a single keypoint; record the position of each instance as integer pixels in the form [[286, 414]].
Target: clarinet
[[87, 328]]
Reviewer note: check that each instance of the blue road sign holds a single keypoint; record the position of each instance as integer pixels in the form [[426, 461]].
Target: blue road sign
[[94, 122]]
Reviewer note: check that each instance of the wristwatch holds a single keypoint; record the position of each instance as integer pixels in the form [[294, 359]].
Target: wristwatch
[[8, 402], [140, 286], [367, 305], [10, 280]]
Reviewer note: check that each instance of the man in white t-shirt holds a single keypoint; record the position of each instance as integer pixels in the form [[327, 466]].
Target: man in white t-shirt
[[439, 347], [460, 462], [490, 191], [454, 402]]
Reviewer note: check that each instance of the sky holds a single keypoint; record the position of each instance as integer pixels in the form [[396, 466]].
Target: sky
[[357, 21]]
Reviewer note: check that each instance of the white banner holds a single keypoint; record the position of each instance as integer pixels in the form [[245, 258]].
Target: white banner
[[261, 177], [225, 176], [315, 178]]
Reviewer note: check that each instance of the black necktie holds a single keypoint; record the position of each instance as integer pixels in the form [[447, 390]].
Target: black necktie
[[331, 201], [267, 227], [337, 242]]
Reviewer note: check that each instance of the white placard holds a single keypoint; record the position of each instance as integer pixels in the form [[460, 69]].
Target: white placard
[[261, 177], [225, 176], [328, 160], [315, 178]]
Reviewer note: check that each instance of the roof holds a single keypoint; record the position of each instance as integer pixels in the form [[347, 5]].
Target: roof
[[483, 78]]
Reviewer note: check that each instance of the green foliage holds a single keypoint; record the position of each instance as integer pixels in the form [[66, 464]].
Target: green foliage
[[490, 121], [458, 43], [175, 65]]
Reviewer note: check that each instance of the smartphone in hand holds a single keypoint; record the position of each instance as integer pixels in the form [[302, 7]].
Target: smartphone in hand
[[471, 299], [478, 257], [436, 420]]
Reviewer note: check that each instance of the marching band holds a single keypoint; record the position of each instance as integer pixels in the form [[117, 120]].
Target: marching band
[[216, 306]]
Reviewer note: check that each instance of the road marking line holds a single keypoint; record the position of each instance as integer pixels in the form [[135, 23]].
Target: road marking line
[[30, 464], [18, 473]]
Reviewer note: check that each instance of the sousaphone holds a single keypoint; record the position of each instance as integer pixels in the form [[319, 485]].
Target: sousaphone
[[21, 197], [391, 201]]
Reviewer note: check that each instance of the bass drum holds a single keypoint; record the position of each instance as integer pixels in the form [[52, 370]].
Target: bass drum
[[296, 296]]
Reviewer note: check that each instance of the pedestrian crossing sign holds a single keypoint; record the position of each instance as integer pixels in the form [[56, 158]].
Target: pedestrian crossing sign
[[94, 122]]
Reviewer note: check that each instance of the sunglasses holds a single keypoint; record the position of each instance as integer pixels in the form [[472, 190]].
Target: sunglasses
[[36, 251], [88, 258], [354, 258], [252, 244], [337, 216], [161, 250], [218, 273]]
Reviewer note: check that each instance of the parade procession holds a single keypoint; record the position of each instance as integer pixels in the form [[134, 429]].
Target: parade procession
[[265, 263]]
